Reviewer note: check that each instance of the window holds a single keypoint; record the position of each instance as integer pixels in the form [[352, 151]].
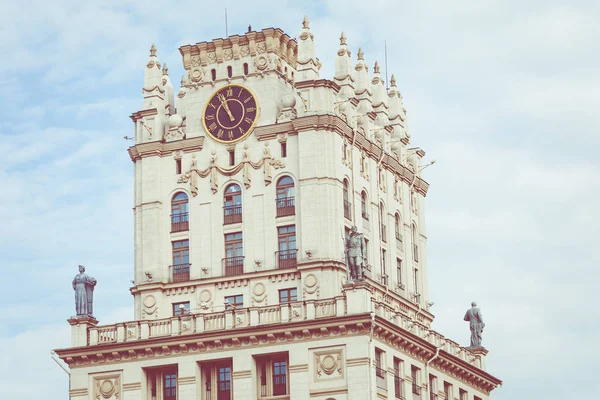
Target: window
[[399, 283], [363, 206], [245, 68], [272, 375], [234, 254], [180, 309], [162, 383], [380, 370], [213, 74], [231, 158], [286, 256], [448, 391], [398, 381], [286, 203], [414, 374], [216, 378], [432, 387], [462, 394], [347, 206], [283, 149], [287, 295], [415, 245], [416, 284], [398, 231], [179, 213], [229, 71], [384, 275], [178, 166], [234, 302], [232, 210], [180, 270], [382, 227], [476, 398]]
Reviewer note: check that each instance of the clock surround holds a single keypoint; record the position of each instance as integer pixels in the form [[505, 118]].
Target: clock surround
[[230, 114]]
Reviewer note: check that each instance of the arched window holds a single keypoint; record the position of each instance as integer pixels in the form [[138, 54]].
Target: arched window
[[229, 71], [286, 203], [213, 74], [347, 206], [398, 230], [415, 244], [179, 212], [245, 68], [382, 226], [363, 206], [232, 209]]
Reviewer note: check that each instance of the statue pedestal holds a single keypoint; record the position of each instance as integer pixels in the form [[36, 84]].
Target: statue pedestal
[[358, 297], [480, 353], [79, 329]]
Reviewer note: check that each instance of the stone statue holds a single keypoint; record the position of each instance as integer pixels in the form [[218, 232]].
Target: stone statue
[[473, 315], [84, 293], [356, 251]]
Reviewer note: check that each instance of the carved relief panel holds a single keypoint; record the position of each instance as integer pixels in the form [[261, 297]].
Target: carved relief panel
[[327, 367], [107, 386]]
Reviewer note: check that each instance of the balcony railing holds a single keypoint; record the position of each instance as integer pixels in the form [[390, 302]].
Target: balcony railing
[[180, 273], [233, 266], [286, 206], [180, 222], [383, 232], [380, 378], [347, 210], [232, 214], [399, 387], [286, 258]]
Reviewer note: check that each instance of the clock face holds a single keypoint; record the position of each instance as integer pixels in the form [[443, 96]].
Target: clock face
[[230, 114]]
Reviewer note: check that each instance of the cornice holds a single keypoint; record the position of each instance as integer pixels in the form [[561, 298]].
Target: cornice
[[143, 113], [326, 83], [162, 149]]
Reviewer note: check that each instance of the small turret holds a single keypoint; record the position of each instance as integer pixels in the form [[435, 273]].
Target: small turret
[[153, 87], [344, 75], [378, 89], [168, 87], [308, 64], [397, 112], [363, 84]]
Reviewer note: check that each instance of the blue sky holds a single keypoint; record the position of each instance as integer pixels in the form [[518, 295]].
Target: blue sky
[[503, 95]]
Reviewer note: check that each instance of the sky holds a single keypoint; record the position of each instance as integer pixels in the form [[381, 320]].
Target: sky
[[502, 94]]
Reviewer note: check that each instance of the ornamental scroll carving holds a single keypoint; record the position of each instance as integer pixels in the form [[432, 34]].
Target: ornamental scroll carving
[[213, 171]]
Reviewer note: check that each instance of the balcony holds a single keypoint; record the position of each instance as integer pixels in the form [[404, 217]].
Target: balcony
[[180, 222], [286, 258], [233, 266], [286, 206], [380, 378], [232, 214], [347, 210], [399, 387], [180, 273], [383, 233]]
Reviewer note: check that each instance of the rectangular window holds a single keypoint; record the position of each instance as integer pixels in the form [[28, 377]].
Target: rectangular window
[[234, 302], [384, 275], [272, 375], [170, 386], [399, 273], [416, 283], [448, 391], [180, 269], [162, 382], [234, 254], [180, 309], [216, 380], [462, 394], [433, 388], [380, 371], [476, 398], [283, 149], [414, 374], [287, 295], [398, 380], [279, 377], [287, 253], [231, 157], [178, 166]]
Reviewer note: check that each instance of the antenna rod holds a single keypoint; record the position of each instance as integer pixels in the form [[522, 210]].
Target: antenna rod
[[226, 33], [387, 87]]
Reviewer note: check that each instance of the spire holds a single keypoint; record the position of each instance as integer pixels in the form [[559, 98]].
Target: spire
[[165, 69], [376, 67], [393, 81], [305, 22], [361, 55], [153, 50], [308, 64], [343, 39], [343, 65]]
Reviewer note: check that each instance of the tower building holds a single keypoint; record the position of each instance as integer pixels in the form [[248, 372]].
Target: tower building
[[248, 181]]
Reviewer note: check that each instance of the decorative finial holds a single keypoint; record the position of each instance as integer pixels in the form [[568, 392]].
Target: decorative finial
[[249, 28], [153, 50], [343, 39], [376, 67], [393, 81], [165, 69], [361, 55], [305, 22]]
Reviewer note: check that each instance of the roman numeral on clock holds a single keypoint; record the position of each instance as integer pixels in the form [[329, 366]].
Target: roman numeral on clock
[[220, 133], [229, 92], [248, 120], [241, 130], [210, 117], [251, 109], [212, 126], [247, 99], [230, 135]]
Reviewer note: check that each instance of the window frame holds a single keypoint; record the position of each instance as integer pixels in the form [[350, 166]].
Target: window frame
[[290, 292]]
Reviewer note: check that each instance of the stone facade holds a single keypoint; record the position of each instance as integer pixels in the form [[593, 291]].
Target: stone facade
[[240, 289]]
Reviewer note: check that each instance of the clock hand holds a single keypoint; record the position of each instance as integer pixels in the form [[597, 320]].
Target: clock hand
[[226, 106]]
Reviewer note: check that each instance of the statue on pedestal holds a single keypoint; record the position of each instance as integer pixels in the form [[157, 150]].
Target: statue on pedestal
[[84, 293], [473, 315], [356, 252]]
